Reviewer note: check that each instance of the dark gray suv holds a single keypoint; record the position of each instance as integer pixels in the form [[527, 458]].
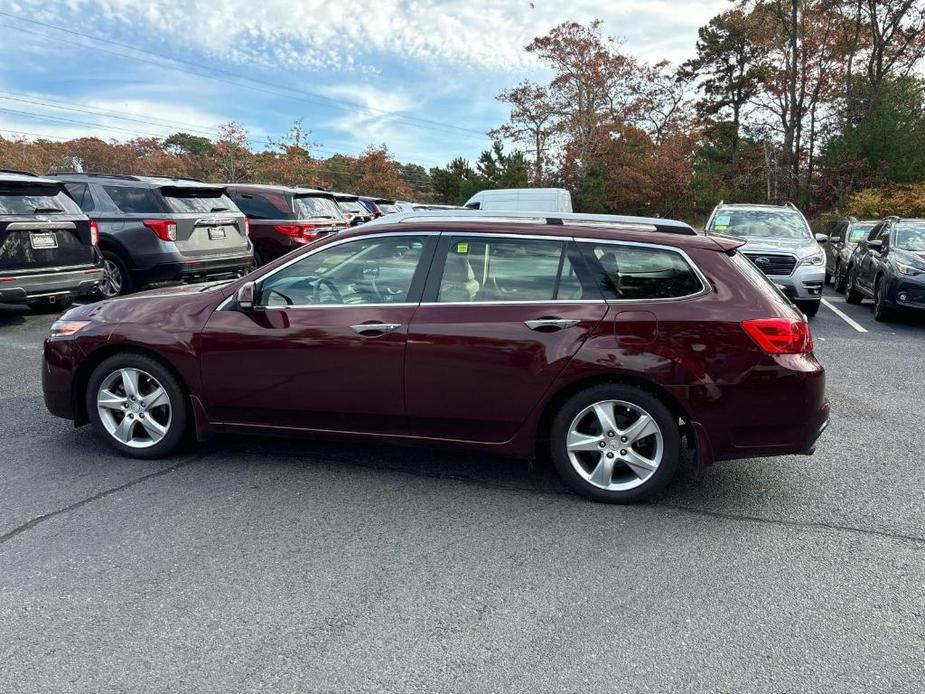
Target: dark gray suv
[[156, 230], [48, 249]]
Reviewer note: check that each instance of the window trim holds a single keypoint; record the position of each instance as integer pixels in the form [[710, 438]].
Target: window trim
[[417, 281]]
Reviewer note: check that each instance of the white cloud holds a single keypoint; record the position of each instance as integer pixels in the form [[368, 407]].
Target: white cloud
[[320, 34]]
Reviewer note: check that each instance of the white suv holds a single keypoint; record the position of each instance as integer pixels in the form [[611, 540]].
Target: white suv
[[780, 242]]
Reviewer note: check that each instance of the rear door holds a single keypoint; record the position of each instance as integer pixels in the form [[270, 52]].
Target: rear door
[[41, 228], [208, 222], [501, 318]]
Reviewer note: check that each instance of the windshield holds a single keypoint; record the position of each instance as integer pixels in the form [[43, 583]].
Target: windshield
[[911, 237], [35, 199], [309, 207], [761, 224], [859, 231], [197, 201]]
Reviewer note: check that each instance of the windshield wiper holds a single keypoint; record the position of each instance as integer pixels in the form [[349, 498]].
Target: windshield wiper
[[47, 210]]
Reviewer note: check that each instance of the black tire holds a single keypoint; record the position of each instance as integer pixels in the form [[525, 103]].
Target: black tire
[[828, 277], [667, 422], [257, 262], [810, 308], [883, 312], [852, 294], [60, 305], [838, 281], [178, 404], [127, 285]]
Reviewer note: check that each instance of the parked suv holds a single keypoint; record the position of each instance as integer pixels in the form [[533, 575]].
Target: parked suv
[[604, 341], [283, 218], [354, 211], [48, 251], [378, 206], [842, 240], [779, 241], [155, 230], [888, 266]]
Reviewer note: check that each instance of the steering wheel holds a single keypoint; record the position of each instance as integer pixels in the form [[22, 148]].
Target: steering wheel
[[331, 287]]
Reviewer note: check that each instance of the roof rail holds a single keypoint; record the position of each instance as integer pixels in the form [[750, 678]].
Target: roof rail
[[18, 172], [95, 174], [667, 226]]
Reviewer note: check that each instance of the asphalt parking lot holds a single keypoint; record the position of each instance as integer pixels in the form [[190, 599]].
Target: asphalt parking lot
[[257, 563]]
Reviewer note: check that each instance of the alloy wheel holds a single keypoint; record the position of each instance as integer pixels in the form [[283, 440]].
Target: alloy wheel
[[111, 284], [615, 445], [134, 407]]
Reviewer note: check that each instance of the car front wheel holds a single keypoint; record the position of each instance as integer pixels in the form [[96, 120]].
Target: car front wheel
[[137, 405], [615, 443], [882, 309], [852, 294]]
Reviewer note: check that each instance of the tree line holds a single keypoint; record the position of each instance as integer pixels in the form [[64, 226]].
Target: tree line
[[814, 101]]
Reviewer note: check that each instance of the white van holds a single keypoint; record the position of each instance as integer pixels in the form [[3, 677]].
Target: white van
[[522, 200]]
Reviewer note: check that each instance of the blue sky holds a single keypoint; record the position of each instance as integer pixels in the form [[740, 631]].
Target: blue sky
[[357, 72]]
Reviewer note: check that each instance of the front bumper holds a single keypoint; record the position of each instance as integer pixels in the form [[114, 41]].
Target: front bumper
[[58, 283], [803, 284]]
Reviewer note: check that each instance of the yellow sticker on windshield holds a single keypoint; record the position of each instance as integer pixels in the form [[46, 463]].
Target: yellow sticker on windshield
[[462, 247]]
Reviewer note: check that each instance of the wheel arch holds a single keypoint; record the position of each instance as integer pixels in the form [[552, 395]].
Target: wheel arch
[[98, 356]]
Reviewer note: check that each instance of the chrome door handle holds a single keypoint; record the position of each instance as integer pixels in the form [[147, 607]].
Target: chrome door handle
[[364, 328], [557, 323]]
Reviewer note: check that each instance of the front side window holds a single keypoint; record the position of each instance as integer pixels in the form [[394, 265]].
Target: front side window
[[910, 236], [491, 269], [377, 270], [642, 272], [135, 200], [760, 224]]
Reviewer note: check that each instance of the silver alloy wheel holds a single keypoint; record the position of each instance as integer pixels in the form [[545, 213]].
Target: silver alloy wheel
[[134, 407], [615, 445], [111, 284]]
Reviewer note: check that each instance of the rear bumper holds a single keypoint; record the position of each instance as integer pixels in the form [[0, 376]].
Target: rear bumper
[[18, 288], [188, 270]]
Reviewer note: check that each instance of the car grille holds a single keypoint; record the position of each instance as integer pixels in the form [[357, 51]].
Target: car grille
[[771, 264]]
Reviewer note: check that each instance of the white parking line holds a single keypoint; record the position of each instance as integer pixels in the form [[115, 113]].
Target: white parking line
[[841, 314]]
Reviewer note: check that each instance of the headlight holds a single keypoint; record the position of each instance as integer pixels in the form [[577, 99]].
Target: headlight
[[64, 328], [814, 259], [909, 270]]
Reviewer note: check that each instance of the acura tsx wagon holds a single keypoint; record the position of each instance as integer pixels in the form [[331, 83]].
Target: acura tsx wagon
[[600, 342]]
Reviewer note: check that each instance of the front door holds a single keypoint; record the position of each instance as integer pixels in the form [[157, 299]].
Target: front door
[[502, 316], [324, 348]]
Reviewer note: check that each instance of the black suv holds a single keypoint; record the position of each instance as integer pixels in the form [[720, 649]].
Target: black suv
[[888, 266], [48, 249], [155, 230], [843, 237]]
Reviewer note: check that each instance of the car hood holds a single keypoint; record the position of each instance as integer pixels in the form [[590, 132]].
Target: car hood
[[799, 247], [916, 258], [180, 308]]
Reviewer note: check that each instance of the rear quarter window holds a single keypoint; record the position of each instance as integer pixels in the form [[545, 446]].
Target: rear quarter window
[[81, 194], [135, 200], [641, 272]]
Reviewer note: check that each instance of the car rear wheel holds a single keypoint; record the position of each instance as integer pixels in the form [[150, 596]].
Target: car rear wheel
[[852, 295], [116, 279], [137, 405], [615, 443]]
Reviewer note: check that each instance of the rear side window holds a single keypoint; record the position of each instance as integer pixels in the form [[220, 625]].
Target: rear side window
[[197, 200], [311, 206], [135, 200], [493, 269], [81, 194], [35, 199], [641, 272]]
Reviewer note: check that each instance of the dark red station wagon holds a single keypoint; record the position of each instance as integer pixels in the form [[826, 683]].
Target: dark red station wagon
[[600, 341]]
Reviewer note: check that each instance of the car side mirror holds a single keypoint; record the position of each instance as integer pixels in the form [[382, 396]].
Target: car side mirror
[[875, 245], [822, 238], [244, 296]]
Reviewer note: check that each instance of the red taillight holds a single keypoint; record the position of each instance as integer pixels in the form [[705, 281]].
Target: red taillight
[[305, 232], [247, 227], [780, 335], [164, 229], [94, 234]]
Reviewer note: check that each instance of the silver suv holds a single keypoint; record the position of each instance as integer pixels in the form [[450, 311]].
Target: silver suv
[[780, 243]]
